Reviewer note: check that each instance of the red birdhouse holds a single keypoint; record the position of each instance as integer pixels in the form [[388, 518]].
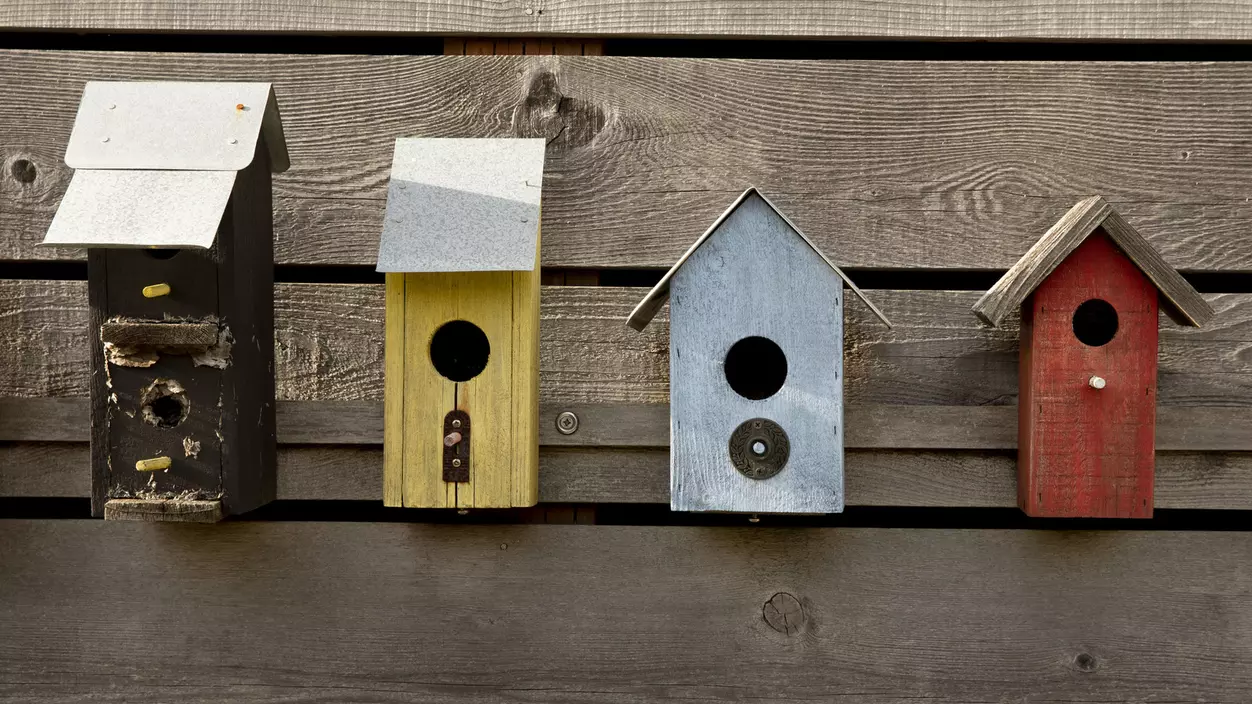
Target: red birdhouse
[[1089, 292]]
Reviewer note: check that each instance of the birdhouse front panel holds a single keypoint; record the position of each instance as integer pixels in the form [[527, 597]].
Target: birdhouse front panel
[[460, 249], [756, 357], [1088, 387]]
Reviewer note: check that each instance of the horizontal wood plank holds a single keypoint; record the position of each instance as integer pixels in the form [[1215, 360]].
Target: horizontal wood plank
[[1099, 20], [641, 475], [1179, 428], [329, 346], [258, 611], [938, 165]]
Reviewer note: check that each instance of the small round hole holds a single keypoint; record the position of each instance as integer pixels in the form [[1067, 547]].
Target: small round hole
[[162, 253], [1095, 322], [756, 368], [168, 411], [164, 404], [23, 170], [459, 350]]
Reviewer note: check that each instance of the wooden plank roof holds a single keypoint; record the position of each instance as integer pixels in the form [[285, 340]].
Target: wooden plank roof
[[1181, 302]]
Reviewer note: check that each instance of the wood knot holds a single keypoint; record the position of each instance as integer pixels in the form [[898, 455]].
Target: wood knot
[[784, 613], [23, 170], [1086, 662], [545, 111]]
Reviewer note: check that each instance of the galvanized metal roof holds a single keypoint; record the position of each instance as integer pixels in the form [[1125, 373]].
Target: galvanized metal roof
[[112, 208], [463, 205], [651, 303], [172, 125]]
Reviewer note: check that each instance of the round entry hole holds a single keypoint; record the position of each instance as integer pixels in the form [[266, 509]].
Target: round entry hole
[[756, 368], [164, 404], [459, 350], [162, 253], [1095, 322]]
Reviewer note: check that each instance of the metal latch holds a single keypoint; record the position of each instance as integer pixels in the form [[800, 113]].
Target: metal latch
[[456, 446]]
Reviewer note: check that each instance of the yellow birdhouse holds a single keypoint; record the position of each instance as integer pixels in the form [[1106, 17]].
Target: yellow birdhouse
[[460, 249]]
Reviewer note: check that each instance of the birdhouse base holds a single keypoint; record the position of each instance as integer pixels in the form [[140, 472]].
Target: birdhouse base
[[162, 511]]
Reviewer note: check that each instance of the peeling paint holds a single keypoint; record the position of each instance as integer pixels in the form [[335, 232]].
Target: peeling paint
[[191, 448], [217, 356]]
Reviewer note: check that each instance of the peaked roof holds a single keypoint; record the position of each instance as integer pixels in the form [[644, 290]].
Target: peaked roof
[[458, 204], [651, 303], [1182, 302]]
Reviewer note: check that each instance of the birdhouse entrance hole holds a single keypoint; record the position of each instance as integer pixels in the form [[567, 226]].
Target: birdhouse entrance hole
[[1095, 322], [459, 350], [756, 368], [162, 253]]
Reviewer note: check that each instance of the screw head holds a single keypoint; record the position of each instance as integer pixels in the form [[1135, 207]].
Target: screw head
[[104, 139], [456, 424], [234, 141], [530, 10], [456, 463], [567, 423]]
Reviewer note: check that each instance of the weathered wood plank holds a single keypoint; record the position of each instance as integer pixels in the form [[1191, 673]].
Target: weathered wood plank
[[329, 346], [1100, 20], [638, 475], [944, 165], [537, 613], [1179, 428]]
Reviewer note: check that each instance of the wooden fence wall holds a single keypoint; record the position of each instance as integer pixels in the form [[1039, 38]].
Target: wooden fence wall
[[926, 179]]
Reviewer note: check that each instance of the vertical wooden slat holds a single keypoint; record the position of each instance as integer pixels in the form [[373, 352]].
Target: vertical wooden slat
[[427, 395], [393, 393], [485, 299]]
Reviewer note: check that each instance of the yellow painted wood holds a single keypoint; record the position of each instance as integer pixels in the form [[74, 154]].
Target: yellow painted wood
[[393, 394], [486, 300], [430, 301], [526, 387]]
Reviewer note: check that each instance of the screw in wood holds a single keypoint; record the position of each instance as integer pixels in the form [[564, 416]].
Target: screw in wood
[[1096, 382], [153, 464], [156, 290], [567, 423], [456, 423], [240, 107], [456, 463]]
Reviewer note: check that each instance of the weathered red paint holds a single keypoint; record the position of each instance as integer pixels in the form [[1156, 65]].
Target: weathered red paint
[[1084, 452]]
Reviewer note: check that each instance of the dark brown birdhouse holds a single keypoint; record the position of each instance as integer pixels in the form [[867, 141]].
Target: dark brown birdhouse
[[171, 198], [1089, 292]]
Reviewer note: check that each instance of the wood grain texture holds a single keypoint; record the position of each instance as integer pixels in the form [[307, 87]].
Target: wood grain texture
[[955, 165], [756, 277], [329, 345], [1088, 217], [163, 511], [604, 425], [133, 332], [1083, 451], [573, 614], [1184, 480], [1099, 20]]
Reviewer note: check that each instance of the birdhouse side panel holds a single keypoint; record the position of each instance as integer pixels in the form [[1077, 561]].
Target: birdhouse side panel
[[755, 278], [525, 388], [1088, 379], [393, 391]]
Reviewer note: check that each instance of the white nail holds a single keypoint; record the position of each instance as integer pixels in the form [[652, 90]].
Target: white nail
[[1096, 382]]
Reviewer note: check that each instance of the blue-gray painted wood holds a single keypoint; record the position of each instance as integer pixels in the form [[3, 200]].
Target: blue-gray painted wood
[[756, 276]]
